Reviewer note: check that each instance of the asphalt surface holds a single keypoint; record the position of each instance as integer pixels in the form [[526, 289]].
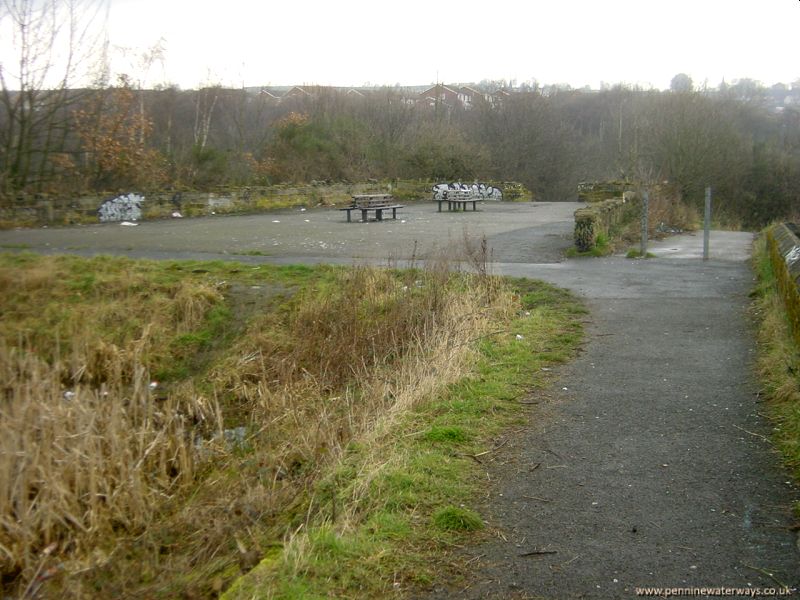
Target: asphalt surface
[[646, 463], [517, 232]]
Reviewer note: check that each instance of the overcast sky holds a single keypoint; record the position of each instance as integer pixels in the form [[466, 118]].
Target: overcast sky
[[415, 42]]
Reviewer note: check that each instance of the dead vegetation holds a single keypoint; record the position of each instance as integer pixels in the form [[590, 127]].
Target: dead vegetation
[[112, 483]]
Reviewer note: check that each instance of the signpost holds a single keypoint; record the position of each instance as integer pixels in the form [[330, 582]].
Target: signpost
[[707, 223], [645, 208]]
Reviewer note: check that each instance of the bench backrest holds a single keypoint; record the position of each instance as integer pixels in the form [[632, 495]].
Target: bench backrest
[[373, 200]]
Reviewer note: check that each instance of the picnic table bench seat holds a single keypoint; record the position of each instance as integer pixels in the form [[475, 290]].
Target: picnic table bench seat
[[372, 202], [458, 199]]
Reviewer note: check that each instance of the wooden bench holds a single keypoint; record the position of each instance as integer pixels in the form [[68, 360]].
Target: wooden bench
[[372, 202], [458, 199]]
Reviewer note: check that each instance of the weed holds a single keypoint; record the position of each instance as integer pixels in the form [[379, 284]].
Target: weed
[[601, 247], [634, 253]]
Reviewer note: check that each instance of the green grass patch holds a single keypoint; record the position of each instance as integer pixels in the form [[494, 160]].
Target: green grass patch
[[451, 434], [634, 253], [453, 518]]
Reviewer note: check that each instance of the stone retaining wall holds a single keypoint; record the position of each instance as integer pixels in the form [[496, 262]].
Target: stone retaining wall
[[135, 205], [783, 243], [603, 218]]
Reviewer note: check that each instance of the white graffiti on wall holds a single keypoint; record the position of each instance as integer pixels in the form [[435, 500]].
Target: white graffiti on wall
[[481, 190], [122, 208], [792, 256]]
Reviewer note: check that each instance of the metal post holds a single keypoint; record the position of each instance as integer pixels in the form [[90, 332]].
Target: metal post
[[707, 223], [645, 208]]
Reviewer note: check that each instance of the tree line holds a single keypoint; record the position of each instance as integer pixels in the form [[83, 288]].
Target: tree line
[[119, 137], [123, 135]]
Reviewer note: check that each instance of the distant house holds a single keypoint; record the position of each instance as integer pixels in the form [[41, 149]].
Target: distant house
[[470, 97], [499, 97], [295, 92], [438, 95], [267, 95]]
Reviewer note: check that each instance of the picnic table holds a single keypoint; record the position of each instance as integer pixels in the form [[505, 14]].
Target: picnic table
[[458, 200], [372, 202]]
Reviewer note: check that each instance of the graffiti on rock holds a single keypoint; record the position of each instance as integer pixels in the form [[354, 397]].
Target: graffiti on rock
[[127, 207], [479, 190]]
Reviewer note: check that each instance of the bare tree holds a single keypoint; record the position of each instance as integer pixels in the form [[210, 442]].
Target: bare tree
[[53, 43]]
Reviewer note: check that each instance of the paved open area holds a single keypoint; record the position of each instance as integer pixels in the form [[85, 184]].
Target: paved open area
[[647, 464], [517, 232]]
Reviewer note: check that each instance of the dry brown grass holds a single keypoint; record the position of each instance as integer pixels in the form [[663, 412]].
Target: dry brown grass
[[94, 320], [666, 208], [140, 490], [74, 470], [87, 448]]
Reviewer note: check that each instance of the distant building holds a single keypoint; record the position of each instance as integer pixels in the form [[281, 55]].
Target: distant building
[[295, 92], [267, 95], [438, 95], [470, 97], [499, 97]]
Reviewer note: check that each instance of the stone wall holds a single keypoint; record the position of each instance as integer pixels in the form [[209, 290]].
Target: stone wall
[[603, 218], [135, 205], [598, 191], [783, 243]]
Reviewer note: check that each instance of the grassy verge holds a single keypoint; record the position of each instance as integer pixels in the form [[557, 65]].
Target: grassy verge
[[169, 426], [381, 520], [778, 361]]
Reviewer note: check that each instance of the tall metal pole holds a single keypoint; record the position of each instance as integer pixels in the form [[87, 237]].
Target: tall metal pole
[[707, 223], [645, 209]]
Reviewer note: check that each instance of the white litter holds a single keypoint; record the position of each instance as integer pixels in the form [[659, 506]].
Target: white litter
[[69, 395], [177, 215], [276, 221], [128, 224], [520, 337], [153, 385]]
